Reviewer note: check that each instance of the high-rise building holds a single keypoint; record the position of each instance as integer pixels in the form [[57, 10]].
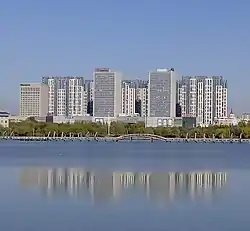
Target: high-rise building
[[162, 93], [142, 100], [33, 100], [89, 88], [67, 95], [141, 95], [203, 97], [128, 99], [107, 93], [77, 101]]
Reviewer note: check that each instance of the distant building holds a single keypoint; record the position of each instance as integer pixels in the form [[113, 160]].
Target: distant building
[[4, 114], [188, 122], [178, 110], [142, 100], [33, 100], [140, 87], [4, 119], [67, 95], [17, 119], [203, 97], [162, 93], [245, 117], [89, 88], [230, 120], [128, 99], [107, 93], [163, 122]]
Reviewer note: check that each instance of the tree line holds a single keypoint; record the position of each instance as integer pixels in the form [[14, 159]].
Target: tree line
[[30, 127]]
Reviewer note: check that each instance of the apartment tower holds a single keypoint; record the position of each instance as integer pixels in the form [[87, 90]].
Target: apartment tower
[[128, 99], [204, 97], [67, 95]]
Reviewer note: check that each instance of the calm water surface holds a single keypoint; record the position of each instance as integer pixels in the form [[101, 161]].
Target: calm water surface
[[124, 186]]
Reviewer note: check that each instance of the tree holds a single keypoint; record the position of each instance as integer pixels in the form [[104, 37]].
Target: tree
[[31, 127]]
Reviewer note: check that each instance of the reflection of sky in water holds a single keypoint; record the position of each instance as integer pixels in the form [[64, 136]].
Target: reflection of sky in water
[[26, 205], [135, 156]]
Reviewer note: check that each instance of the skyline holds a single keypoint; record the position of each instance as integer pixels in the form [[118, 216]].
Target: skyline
[[206, 39]]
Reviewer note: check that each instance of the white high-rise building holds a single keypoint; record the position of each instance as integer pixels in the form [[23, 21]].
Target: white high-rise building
[[107, 93], [77, 101], [67, 95], [61, 103], [51, 85], [128, 99], [203, 97]]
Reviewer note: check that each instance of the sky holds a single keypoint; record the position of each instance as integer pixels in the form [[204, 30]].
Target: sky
[[52, 37]]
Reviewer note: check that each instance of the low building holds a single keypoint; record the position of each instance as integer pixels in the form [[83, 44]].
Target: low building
[[68, 119], [63, 120], [16, 119], [188, 122], [245, 117], [4, 119], [231, 120], [163, 122], [4, 122]]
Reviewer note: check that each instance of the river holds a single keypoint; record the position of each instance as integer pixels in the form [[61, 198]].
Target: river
[[124, 186]]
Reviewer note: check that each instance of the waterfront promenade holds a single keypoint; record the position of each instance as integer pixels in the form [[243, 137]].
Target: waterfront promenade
[[127, 137]]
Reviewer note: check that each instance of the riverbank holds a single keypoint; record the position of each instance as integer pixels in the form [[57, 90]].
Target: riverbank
[[132, 137], [30, 128]]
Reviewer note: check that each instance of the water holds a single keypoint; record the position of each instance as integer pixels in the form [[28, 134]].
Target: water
[[124, 186]]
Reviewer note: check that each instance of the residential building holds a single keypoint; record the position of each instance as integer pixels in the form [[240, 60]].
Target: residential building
[[128, 99], [77, 100], [107, 93], [203, 97], [34, 99], [142, 100], [141, 95], [67, 95], [89, 88], [162, 93]]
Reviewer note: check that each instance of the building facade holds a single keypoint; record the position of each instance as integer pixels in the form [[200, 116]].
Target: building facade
[[142, 100], [107, 93], [67, 95], [139, 94], [4, 119], [162, 93], [245, 117], [128, 99], [203, 97], [34, 99], [89, 88]]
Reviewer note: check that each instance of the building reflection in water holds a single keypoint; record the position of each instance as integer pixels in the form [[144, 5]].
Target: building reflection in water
[[106, 186]]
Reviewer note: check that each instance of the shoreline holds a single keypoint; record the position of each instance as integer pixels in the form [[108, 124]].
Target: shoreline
[[127, 138]]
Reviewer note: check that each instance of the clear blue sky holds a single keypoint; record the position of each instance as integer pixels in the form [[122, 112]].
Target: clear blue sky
[[52, 37]]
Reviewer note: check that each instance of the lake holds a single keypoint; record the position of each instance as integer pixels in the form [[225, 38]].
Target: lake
[[124, 186]]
